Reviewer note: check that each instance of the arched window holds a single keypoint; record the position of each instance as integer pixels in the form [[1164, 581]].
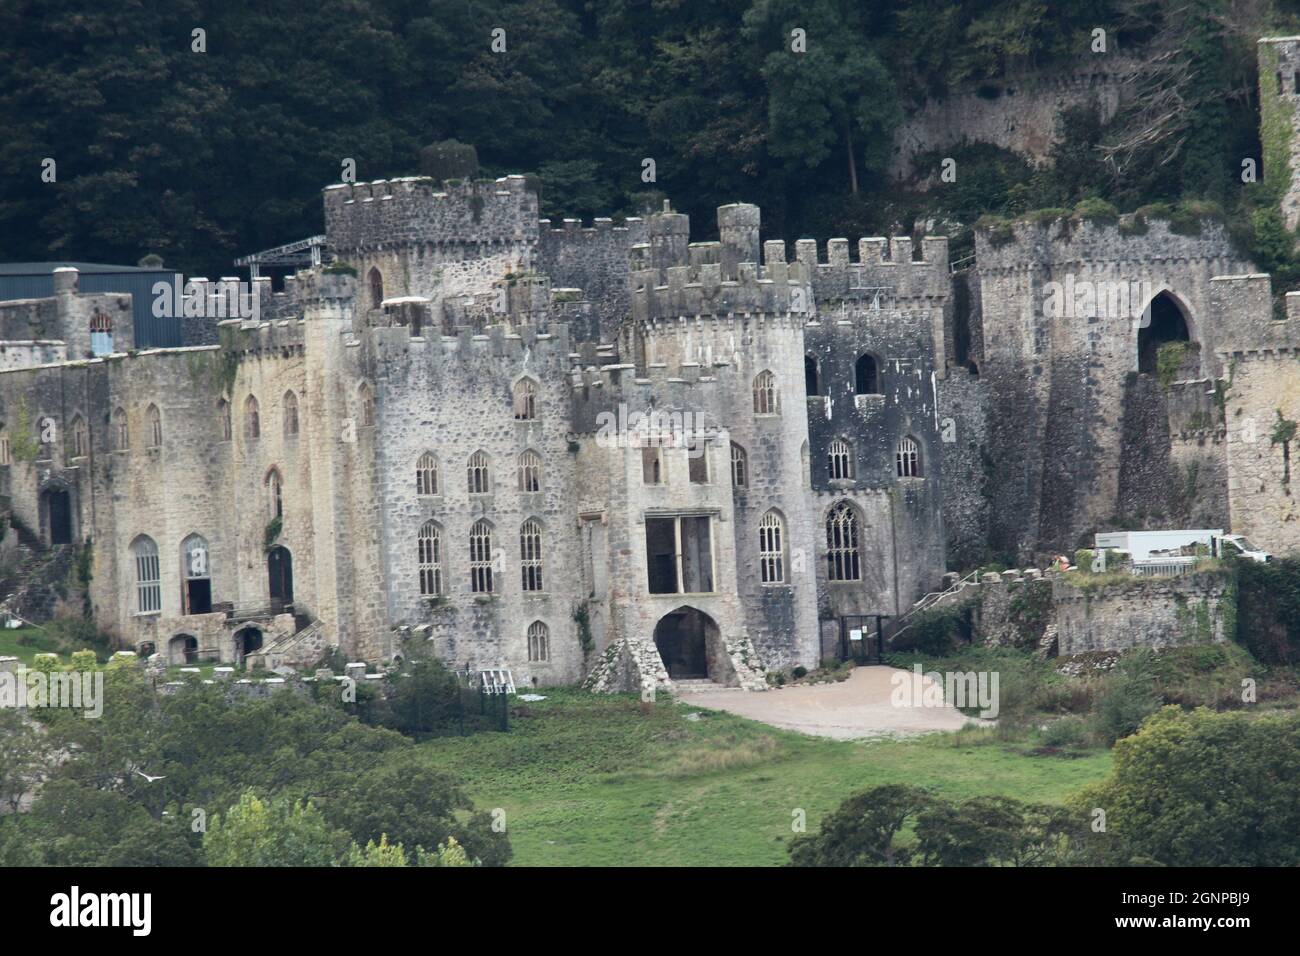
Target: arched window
[[101, 333], [480, 558], [6, 455], [1163, 322], [252, 420], [290, 414], [525, 400], [530, 554], [196, 576], [121, 431], [148, 581], [839, 459], [80, 437], [274, 494], [907, 457], [480, 474], [426, 474], [843, 559], [539, 642], [866, 375], [366, 404], [739, 466], [223, 415], [429, 546], [765, 395], [376, 281], [771, 548], [530, 471], [811, 378], [153, 420]]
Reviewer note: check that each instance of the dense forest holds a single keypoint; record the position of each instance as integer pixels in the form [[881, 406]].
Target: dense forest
[[203, 156]]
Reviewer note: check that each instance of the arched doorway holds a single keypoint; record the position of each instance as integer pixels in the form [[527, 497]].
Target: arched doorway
[[279, 569], [58, 515], [684, 638], [183, 649], [247, 642], [1163, 322]]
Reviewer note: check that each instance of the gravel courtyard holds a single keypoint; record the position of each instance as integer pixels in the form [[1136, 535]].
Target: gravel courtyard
[[857, 708]]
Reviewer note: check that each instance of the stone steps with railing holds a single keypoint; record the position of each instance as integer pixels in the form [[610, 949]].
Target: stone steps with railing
[[302, 648]]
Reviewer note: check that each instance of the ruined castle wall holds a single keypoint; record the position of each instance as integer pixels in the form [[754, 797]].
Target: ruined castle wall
[[1152, 612], [1019, 113]]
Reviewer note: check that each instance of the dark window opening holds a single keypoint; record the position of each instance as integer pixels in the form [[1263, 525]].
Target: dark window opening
[[866, 374], [811, 380], [198, 596], [1163, 323], [661, 554]]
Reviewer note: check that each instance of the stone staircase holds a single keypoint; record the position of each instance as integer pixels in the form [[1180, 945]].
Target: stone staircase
[[698, 685], [303, 648]]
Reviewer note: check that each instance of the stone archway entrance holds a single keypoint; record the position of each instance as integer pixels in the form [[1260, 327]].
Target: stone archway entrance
[[248, 641], [685, 639]]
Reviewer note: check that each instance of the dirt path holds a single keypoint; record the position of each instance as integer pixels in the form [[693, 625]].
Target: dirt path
[[859, 707]]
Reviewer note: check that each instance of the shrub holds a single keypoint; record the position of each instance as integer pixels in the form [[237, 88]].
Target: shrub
[[1065, 732], [1127, 698]]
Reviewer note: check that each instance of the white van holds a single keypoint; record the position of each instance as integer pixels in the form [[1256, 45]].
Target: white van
[[1146, 546]]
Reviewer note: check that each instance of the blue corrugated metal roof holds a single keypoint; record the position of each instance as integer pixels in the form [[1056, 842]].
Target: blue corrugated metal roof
[[35, 280]]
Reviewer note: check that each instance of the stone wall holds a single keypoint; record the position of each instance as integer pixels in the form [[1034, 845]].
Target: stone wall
[[1143, 612], [1020, 113]]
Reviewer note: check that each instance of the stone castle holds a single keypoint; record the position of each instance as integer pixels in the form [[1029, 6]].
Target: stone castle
[[611, 454]]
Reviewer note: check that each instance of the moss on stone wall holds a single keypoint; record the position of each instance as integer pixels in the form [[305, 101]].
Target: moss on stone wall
[[1275, 130]]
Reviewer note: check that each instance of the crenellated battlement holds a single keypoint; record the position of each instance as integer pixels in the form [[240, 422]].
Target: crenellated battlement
[[545, 353], [283, 338], [886, 264], [1243, 306], [1026, 245], [573, 229], [614, 389], [418, 209], [699, 290]]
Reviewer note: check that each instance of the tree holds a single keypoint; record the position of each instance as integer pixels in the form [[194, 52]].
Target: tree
[[382, 853], [1199, 788], [24, 753], [415, 806], [861, 831], [276, 832], [836, 91], [996, 831]]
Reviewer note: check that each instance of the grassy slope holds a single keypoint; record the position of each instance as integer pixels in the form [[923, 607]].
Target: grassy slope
[[588, 780], [9, 646]]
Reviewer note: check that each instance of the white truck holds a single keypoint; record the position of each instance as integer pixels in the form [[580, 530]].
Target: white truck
[[1147, 547]]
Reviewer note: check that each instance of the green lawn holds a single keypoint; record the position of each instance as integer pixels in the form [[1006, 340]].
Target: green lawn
[[9, 646], [588, 779]]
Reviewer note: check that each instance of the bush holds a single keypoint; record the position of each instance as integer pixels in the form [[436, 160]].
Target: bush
[[1065, 732], [1127, 698], [799, 672], [1196, 788]]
